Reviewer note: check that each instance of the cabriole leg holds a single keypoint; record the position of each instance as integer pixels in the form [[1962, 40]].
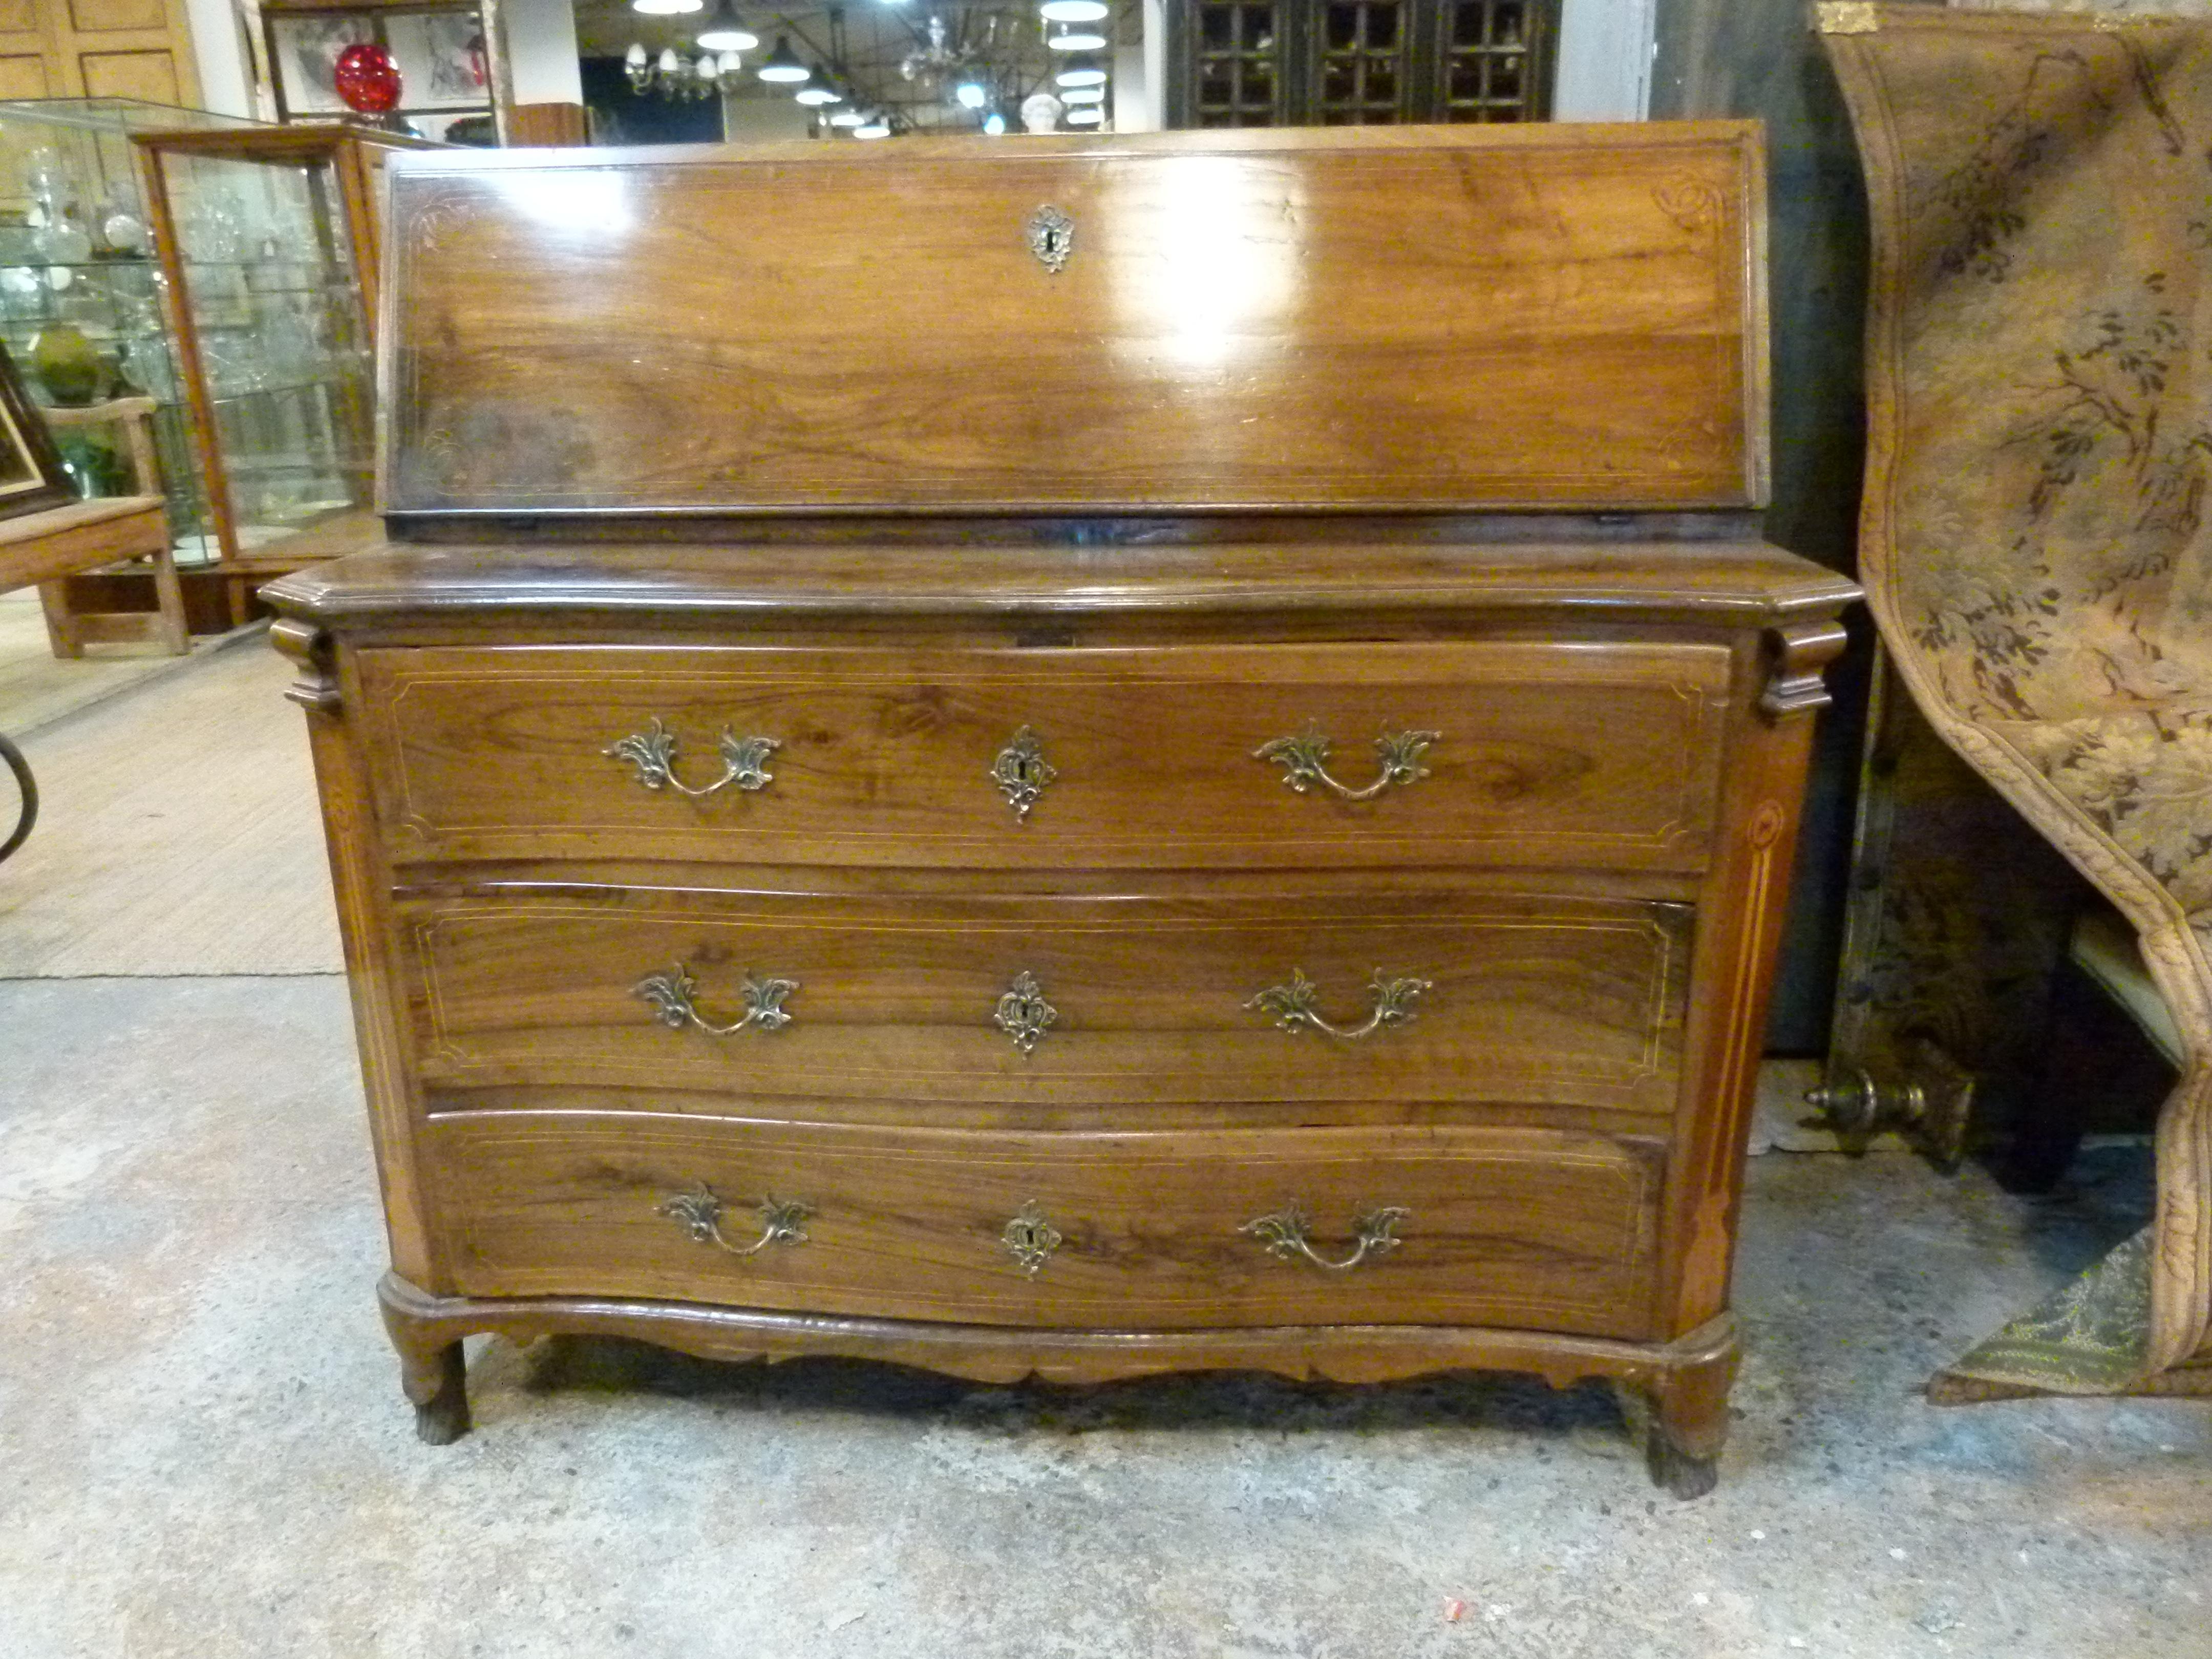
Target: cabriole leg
[[1682, 1418], [438, 1387], [432, 1371]]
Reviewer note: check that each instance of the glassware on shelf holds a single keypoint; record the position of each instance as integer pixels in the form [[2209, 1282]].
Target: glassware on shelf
[[265, 259], [74, 255]]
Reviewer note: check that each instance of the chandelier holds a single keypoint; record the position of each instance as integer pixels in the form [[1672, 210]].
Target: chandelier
[[674, 75]]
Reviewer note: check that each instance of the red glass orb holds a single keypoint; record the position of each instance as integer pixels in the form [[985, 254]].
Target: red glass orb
[[366, 79]]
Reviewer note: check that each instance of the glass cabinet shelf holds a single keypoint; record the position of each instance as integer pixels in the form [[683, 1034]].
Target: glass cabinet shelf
[[81, 293]]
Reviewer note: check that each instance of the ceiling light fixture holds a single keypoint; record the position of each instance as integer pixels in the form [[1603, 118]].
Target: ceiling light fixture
[[727, 31], [994, 124], [1081, 74], [782, 67], [875, 127], [1073, 11], [848, 117], [818, 91], [1083, 94], [970, 94], [1088, 115], [1082, 38], [666, 8]]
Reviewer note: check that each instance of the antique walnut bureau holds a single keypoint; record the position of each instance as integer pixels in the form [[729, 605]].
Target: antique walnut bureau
[[1072, 756]]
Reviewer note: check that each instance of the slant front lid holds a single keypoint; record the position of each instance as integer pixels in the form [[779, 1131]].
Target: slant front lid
[[1422, 319]]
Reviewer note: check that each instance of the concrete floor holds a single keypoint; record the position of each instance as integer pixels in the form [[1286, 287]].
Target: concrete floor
[[203, 1451]]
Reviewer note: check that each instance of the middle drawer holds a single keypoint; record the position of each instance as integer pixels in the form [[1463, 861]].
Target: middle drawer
[[1453, 997]]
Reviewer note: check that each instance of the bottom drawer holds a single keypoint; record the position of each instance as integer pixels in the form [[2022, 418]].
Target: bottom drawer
[[1525, 1228]]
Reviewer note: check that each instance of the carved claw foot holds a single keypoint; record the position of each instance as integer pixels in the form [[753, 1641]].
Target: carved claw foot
[[437, 1386]]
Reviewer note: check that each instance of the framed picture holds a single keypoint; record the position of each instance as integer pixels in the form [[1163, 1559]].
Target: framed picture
[[440, 59], [31, 475], [303, 57]]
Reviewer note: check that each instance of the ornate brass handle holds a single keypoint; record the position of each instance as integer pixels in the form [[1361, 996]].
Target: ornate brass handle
[[1284, 1235], [670, 995], [652, 752], [1305, 757], [1292, 1006], [700, 1214]]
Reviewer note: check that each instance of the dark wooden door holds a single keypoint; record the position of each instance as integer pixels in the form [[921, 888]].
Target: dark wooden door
[[1359, 63]]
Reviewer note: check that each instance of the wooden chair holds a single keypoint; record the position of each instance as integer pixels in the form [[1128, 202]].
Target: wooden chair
[[64, 541]]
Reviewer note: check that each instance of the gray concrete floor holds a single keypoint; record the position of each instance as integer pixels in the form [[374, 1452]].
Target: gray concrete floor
[[203, 1451]]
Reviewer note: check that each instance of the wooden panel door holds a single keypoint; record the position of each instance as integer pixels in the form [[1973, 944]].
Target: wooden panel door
[[98, 49]]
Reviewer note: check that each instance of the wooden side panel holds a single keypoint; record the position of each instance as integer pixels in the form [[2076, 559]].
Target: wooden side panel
[[1537, 754], [98, 16], [1559, 1002], [22, 75], [1527, 1229], [151, 75], [1402, 318]]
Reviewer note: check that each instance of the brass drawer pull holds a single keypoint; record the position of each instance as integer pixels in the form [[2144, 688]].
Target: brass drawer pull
[[1304, 758], [1023, 1014], [700, 1214], [1284, 1235], [671, 994], [1021, 772], [652, 752], [1292, 1006]]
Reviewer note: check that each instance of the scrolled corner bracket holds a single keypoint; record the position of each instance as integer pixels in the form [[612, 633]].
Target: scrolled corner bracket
[[315, 653], [1846, 17], [1798, 653], [1051, 234]]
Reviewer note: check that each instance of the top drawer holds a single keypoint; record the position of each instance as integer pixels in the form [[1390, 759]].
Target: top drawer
[[1252, 757]]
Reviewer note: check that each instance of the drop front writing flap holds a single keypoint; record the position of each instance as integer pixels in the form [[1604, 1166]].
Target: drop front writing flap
[[1412, 318]]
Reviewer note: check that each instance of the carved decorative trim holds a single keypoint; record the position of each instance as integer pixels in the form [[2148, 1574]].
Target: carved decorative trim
[[1797, 653], [311, 648]]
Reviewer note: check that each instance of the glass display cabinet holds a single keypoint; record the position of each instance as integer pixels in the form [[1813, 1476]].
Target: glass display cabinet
[[268, 240], [80, 303]]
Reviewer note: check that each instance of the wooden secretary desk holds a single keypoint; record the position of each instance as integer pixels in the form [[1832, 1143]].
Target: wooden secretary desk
[[1072, 756]]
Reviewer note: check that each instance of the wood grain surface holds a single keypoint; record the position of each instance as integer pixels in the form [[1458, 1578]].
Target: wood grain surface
[[1424, 318], [1545, 754], [1523, 1228], [1557, 1002]]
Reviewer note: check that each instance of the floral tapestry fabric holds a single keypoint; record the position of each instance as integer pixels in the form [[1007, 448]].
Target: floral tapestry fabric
[[2035, 541]]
